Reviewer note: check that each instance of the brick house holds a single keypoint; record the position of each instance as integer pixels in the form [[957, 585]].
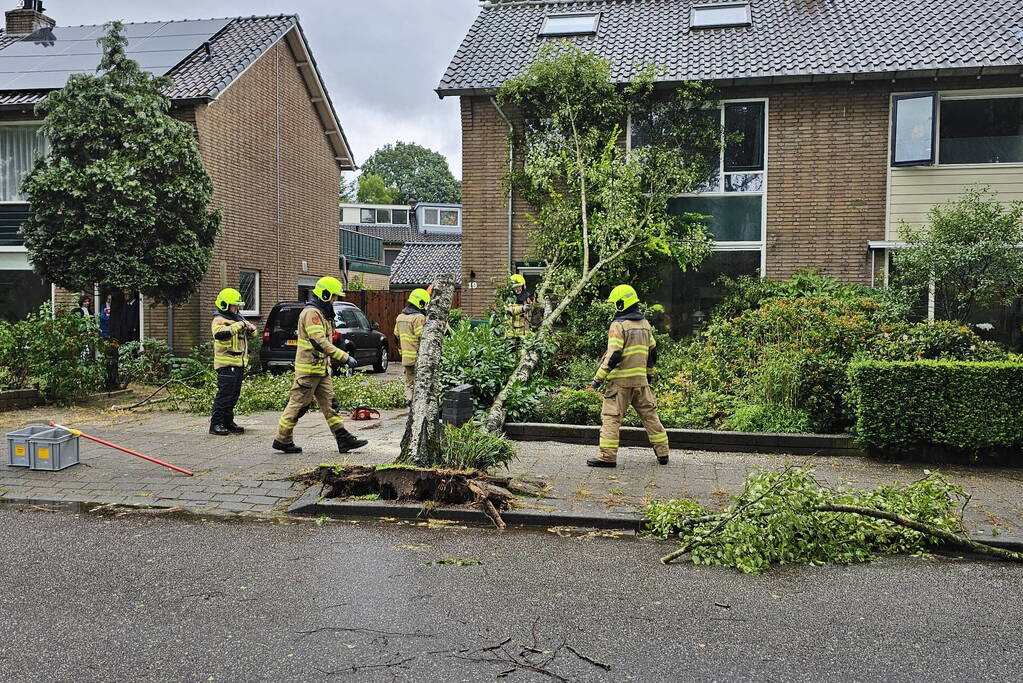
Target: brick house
[[856, 115], [268, 134]]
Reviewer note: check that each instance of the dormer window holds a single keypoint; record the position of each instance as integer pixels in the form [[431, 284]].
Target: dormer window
[[570, 24], [720, 15]]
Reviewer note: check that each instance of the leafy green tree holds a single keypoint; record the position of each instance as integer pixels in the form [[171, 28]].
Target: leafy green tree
[[348, 191], [969, 252], [122, 199], [373, 190], [416, 172], [597, 208]]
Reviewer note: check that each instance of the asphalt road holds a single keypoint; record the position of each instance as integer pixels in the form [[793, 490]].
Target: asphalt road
[[137, 597]]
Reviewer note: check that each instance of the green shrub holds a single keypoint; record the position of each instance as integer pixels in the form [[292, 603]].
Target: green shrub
[[964, 405], [270, 392], [56, 352], [145, 362], [940, 340], [770, 418], [571, 406], [693, 408], [480, 356], [470, 447]]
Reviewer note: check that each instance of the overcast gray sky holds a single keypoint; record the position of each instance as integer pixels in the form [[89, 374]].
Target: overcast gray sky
[[381, 59]]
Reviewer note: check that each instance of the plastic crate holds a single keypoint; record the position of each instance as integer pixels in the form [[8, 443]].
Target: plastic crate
[[17, 445], [54, 449]]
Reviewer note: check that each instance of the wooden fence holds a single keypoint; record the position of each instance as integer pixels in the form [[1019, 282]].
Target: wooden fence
[[383, 307]]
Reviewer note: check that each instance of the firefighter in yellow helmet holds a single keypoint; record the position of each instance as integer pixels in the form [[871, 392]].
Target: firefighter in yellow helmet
[[408, 330], [312, 370], [517, 310], [631, 354], [231, 334]]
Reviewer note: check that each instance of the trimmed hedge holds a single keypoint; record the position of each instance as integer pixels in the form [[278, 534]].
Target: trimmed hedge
[[957, 404]]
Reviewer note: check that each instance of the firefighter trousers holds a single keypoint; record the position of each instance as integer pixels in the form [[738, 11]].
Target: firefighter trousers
[[617, 400], [410, 380], [304, 389]]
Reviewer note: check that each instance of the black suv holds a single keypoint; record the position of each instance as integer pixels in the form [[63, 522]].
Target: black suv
[[353, 332]]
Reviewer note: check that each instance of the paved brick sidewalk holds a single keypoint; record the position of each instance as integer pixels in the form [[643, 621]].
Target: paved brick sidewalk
[[242, 473]]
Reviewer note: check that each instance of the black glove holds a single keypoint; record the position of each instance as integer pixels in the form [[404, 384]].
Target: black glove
[[352, 363], [595, 384]]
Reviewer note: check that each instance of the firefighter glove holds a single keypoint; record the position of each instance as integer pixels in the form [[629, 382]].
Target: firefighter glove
[[352, 363]]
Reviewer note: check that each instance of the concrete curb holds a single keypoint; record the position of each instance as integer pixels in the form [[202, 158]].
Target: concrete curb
[[694, 439], [309, 504]]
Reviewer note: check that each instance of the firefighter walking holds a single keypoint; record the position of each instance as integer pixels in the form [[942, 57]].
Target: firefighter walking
[[231, 334], [408, 330], [312, 370], [517, 309], [631, 354]]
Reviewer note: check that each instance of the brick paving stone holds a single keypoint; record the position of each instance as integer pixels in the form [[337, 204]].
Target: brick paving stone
[[228, 498], [235, 507]]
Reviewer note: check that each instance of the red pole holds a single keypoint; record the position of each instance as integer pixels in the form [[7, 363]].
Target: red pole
[[78, 432]]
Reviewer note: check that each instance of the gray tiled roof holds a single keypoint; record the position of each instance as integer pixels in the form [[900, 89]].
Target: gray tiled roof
[[419, 263], [391, 234], [233, 49], [789, 39]]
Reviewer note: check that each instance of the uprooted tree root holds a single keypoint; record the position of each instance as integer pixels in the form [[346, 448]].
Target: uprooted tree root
[[406, 483]]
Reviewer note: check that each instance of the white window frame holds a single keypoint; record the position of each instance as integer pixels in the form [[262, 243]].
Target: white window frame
[[693, 26], [545, 32], [29, 122], [255, 290], [736, 245], [440, 210], [942, 96]]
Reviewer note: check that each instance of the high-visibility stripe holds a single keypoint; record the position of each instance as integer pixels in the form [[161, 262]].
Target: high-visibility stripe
[[313, 328], [410, 337], [634, 351], [615, 342], [628, 372], [305, 344], [286, 424], [601, 374], [658, 438], [333, 421], [229, 360], [609, 443]]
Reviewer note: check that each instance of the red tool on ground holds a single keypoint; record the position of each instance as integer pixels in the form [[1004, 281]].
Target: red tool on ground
[[78, 432]]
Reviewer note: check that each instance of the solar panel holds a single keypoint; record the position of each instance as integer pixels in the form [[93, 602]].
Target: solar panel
[[47, 58]]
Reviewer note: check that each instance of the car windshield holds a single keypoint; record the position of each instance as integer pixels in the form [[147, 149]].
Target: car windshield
[[287, 319]]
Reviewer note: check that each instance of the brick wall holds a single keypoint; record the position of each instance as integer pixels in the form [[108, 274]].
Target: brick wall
[[275, 215], [827, 177]]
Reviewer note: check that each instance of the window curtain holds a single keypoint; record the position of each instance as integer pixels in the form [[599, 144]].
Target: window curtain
[[20, 146]]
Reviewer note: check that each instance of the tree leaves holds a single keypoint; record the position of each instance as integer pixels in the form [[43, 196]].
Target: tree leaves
[[123, 198]]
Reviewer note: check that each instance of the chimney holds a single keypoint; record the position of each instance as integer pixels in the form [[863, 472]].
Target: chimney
[[28, 18]]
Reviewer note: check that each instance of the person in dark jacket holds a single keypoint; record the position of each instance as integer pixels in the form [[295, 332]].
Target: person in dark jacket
[[231, 334], [84, 306]]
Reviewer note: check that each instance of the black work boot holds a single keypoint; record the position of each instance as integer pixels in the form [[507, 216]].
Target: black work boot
[[346, 441], [662, 460], [287, 448], [233, 428], [597, 462], [218, 429]]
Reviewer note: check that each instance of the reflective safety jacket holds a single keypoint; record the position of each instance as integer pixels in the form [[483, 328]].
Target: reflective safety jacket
[[230, 341], [517, 312], [630, 351], [408, 328], [315, 349]]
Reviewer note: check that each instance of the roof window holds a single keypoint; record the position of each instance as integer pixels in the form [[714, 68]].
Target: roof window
[[720, 15], [570, 24]]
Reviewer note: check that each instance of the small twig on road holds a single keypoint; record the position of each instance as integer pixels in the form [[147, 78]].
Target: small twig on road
[[364, 630], [594, 662]]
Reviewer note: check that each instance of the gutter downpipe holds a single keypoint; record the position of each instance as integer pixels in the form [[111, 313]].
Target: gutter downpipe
[[511, 162]]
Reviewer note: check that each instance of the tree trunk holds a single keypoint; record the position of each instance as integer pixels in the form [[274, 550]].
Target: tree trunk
[[530, 356], [424, 412]]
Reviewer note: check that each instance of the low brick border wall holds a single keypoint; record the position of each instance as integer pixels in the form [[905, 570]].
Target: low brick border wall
[[18, 399], [693, 439]]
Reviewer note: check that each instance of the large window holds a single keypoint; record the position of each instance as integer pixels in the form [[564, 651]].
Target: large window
[[981, 131], [956, 129], [20, 146], [384, 216], [720, 15], [248, 285], [733, 197], [569, 24], [688, 297], [445, 218]]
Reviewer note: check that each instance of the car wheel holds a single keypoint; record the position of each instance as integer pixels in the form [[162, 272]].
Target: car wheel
[[382, 360]]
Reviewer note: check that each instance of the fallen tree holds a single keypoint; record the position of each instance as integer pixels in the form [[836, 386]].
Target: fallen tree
[[596, 205], [787, 517]]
